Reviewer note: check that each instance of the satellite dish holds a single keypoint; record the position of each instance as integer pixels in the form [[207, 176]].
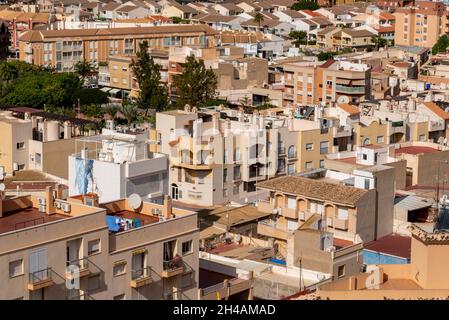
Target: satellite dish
[[2, 187], [343, 99], [135, 201]]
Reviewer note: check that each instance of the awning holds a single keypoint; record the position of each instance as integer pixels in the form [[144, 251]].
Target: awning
[[343, 81], [105, 89], [114, 91]]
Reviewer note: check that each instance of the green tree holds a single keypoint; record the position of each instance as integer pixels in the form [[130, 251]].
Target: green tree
[[83, 69], [258, 18], [305, 5], [130, 111], [153, 93], [441, 45], [92, 111], [112, 109], [298, 37], [196, 84], [378, 41], [323, 56], [90, 96]]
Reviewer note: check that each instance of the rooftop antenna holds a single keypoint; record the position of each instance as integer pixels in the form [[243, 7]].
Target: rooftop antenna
[[135, 201]]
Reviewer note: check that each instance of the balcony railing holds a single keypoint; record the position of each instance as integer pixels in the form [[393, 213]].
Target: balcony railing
[[172, 267], [81, 268], [83, 296], [141, 277], [40, 279], [281, 150], [346, 89]]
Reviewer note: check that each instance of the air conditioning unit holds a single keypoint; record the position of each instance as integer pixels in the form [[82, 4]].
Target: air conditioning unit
[[329, 222], [57, 205], [302, 216], [42, 208], [42, 201], [65, 207], [331, 249]]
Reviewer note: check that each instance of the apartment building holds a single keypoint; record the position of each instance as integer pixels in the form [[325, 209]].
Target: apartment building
[[54, 249], [423, 278], [217, 156], [309, 83], [61, 49], [116, 164], [420, 25], [356, 207], [37, 140]]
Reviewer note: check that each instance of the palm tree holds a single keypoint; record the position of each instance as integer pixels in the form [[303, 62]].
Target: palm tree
[[111, 110], [258, 18], [130, 112]]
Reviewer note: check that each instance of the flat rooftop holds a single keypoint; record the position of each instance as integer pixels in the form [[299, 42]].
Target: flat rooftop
[[25, 218], [415, 150], [393, 244], [340, 243]]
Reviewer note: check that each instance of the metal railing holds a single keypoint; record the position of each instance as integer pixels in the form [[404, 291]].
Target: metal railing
[[172, 264], [342, 88], [82, 296], [82, 263], [40, 275], [281, 150], [141, 273]]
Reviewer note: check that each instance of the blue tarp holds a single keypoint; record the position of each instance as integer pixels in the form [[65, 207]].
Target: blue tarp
[[112, 223]]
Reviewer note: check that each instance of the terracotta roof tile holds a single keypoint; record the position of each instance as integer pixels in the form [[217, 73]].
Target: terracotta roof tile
[[432, 106], [352, 110], [315, 189]]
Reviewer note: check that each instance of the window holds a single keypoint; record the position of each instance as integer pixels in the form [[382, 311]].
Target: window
[[380, 139], [321, 163], [422, 137], [309, 146], [341, 271], [236, 189], [20, 145], [15, 268], [291, 202], [367, 183], [37, 158], [94, 283], [309, 165], [324, 147], [93, 247], [120, 297], [364, 156], [187, 247], [119, 268], [225, 175], [291, 168], [342, 213]]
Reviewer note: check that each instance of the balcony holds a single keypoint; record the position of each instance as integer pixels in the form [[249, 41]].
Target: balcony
[[188, 164], [288, 96], [281, 151], [289, 213], [77, 268], [345, 89], [396, 126], [436, 126], [82, 296], [40, 279], [342, 131], [140, 278], [172, 268], [340, 224], [271, 229]]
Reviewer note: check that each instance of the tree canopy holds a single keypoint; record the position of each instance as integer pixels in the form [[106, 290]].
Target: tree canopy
[[305, 5], [153, 93], [196, 85], [441, 45], [298, 37]]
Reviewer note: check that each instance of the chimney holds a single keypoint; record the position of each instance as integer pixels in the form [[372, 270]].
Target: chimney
[[167, 207], [59, 189], [67, 130], [216, 122], [49, 201]]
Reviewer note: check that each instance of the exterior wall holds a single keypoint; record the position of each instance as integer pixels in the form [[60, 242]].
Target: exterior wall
[[371, 132], [312, 136], [53, 152], [6, 147]]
